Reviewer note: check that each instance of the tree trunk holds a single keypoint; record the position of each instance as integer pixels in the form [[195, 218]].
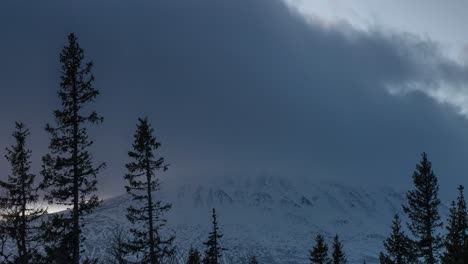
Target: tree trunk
[[76, 216], [153, 259]]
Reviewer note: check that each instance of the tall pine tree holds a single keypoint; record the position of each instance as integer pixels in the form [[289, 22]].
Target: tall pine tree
[[20, 214], [142, 186], [319, 253], [338, 255], [423, 211], [213, 252], [399, 248], [69, 172], [456, 231]]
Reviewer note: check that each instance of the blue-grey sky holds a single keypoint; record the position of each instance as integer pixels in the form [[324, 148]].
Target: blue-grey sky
[[249, 87], [432, 19]]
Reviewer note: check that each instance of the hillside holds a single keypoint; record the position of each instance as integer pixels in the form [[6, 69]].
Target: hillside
[[273, 218]]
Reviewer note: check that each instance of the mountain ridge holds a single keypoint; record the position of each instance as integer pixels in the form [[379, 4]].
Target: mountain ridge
[[273, 218]]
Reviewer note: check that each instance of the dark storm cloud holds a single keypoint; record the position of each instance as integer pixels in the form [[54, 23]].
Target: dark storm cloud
[[237, 87]]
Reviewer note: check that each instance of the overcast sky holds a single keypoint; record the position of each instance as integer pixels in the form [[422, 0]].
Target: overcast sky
[[440, 21], [319, 89]]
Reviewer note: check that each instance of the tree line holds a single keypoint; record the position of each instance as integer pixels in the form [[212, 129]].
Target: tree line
[[29, 235]]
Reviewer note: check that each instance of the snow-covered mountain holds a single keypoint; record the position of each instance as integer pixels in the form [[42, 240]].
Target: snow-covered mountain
[[272, 218]]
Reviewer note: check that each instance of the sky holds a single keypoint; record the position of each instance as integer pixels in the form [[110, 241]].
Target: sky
[[430, 19], [347, 91]]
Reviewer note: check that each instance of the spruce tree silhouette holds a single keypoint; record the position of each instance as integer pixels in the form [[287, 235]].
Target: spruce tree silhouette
[[19, 215], [423, 211], [399, 248], [338, 255], [319, 253], [146, 215], [457, 228], [68, 170], [213, 252]]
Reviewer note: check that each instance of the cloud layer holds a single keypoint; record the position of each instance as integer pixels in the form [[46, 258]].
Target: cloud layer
[[241, 87]]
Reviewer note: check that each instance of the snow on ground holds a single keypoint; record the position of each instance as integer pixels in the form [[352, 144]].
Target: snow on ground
[[272, 218]]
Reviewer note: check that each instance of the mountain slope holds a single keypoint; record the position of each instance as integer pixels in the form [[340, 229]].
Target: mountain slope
[[273, 218]]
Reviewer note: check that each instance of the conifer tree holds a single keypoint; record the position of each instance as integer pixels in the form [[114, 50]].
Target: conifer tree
[[423, 211], [399, 248], [194, 256], [465, 251], [338, 255], [253, 260], [213, 250], [68, 170], [319, 253], [19, 215], [384, 259], [146, 215], [456, 231]]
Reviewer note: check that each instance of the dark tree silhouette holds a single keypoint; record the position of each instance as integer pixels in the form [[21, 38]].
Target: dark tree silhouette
[[385, 259], [194, 256], [423, 211], [69, 173], [399, 248], [456, 231], [213, 250], [253, 260], [319, 253], [142, 184], [338, 255], [19, 212]]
